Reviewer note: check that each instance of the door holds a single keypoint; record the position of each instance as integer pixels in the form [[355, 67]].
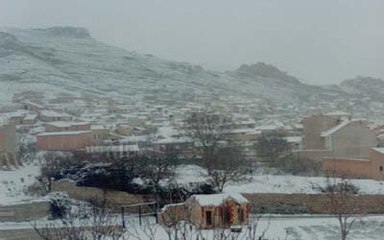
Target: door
[[208, 218]]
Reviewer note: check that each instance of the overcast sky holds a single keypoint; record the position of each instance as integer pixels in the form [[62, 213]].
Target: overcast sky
[[324, 41]]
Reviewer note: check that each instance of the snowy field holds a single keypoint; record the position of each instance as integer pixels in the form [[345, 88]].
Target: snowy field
[[260, 182], [14, 184], [297, 227]]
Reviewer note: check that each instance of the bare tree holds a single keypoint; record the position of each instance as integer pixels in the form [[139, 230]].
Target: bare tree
[[146, 231], [271, 148], [53, 162], [154, 169], [101, 223], [178, 226], [207, 129], [27, 150], [227, 167], [95, 222], [253, 232], [221, 155], [343, 203], [67, 228]]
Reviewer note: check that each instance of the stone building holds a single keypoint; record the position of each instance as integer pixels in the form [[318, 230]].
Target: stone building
[[347, 167], [313, 127], [371, 167], [208, 211], [336, 136], [64, 141]]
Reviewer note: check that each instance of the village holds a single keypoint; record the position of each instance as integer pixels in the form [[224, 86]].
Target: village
[[188, 120], [330, 144]]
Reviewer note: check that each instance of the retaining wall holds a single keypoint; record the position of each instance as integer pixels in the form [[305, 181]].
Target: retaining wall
[[308, 203], [24, 212]]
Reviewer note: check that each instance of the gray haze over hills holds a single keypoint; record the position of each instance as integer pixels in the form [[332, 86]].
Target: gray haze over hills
[[320, 42], [42, 64]]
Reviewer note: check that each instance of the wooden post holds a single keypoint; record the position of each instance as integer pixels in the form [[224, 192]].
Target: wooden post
[[140, 215], [156, 212], [122, 217]]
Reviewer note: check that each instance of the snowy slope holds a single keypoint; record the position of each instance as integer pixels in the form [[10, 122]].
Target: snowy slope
[[364, 86], [69, 60]]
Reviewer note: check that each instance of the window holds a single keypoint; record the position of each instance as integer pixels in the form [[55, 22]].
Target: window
[[381, 168]]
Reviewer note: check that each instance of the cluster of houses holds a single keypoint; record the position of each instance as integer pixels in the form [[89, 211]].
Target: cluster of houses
[[345, 146], [105, 128]]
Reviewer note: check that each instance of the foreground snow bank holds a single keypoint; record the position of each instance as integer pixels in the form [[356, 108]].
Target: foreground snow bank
[[276, 228]]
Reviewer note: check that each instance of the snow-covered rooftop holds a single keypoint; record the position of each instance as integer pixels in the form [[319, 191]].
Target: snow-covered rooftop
[[66, 123], [50, 113], [340, 126], [242, 130], [380, 150], [98, 127], [218, 199], [30, 116], [335, 129], [294, 139], [113, 148], [337, 113], [63, 133]]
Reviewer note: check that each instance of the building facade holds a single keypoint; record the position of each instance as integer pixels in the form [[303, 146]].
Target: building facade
[[64, 141], [9, 148]]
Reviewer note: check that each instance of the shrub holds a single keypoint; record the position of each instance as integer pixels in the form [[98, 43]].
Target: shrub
[[60, 206]]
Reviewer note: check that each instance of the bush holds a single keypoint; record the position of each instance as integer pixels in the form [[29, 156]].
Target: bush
[[60, 206], [339, 187]]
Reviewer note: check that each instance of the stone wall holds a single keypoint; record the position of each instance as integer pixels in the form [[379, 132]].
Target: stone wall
[[307, 203], [114, 198], [19, 234], [24, 212]]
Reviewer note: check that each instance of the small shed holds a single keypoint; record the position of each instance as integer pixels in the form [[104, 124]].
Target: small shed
[[209, 211]]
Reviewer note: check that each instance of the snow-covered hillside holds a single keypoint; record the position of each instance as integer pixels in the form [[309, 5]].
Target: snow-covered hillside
[[68, 60]]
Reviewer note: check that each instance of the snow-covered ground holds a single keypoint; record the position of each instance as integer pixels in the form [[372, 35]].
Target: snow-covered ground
[[14, 184], [268, 183], [297, 184], [298, 227]]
